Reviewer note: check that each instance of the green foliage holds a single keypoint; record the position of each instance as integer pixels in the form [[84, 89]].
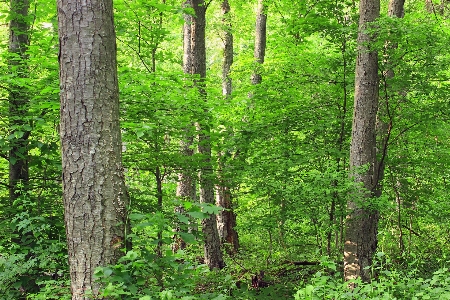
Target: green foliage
[[143, 273], [34, 255], [389, 284], [283, 151]]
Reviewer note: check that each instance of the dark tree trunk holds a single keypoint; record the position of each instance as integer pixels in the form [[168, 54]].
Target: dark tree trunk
[[260, 41], [362, 221], [227, 49], [18, 99], [95, 197], [213, 254]]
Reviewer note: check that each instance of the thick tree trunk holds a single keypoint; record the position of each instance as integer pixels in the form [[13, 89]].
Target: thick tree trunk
[[362, 221], [18, 99], [395, 8], [95, 197], [260, 40]]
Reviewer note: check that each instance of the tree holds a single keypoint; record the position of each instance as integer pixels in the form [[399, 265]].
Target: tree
[[384, 128], [186, 184], [95, 197], [226, 219], [260, 40], [227, 49], [213, 254], [362, 221], [18, 99]]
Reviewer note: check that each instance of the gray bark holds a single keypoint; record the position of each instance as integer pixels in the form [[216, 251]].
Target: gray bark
[[227, 49], [94, 192], [186, 190], [186, 185], [395, 8], [362, 221], [213, 254], [260, 40], [226, 219]]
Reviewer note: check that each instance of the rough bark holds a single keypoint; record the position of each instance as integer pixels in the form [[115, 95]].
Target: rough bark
[[94, 192], [186, 185], [362, 221], [18, 99], [213, 254], [227, 49], [187, 36], [395, 8], [186, 190], [435, 8], [226, 218], [260, 41]]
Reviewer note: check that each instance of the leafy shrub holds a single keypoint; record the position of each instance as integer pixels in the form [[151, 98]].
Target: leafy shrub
[[143, 273], [387, 285]]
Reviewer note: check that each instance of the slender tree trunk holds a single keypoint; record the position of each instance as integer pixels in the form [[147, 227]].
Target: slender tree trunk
[[18, 99], [213, 254], [260, 41], [337, 204], [226, 219], [435, 8], [362, 221], [186, 185], [398, 199], [95, 197], [186, 191], [227, 49], [159, 196], [395, 9]]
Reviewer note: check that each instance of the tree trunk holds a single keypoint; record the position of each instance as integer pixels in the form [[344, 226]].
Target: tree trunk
[[18, 99], [260, 41], [186, 185], [227, 49], [95, 197], [213, 254], [395, 9], [186, 190], [362, 221], [226, 219]]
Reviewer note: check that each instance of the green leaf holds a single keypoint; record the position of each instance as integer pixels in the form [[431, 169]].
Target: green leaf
[[107, 271], [183, 219], [187, 204], [198, 215], [136, 216], [187, 237]]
